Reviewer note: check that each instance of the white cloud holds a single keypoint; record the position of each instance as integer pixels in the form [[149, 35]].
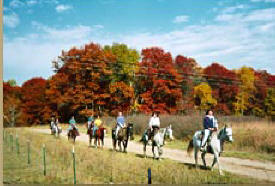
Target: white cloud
[[267, 14], [266, 1], [232, 9], [31, 2], [181, 19], [62, 8], [11, 20], [16, 3]]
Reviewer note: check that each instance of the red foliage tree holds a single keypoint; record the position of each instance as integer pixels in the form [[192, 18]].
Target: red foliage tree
[[158, 82], [187, 69], [224, 85], [33, 100]]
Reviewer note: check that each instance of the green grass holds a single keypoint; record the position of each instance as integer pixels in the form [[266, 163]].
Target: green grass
[[96, 165]]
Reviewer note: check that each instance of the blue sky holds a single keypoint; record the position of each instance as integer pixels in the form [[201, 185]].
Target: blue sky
[[233, 33]]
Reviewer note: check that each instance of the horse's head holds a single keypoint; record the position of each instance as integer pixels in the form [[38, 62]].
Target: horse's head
[[169, 132], [226, 133]]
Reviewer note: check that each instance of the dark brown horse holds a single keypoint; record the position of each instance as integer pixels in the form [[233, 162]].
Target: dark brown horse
[[123, 137], [72, 134], [98, 136]]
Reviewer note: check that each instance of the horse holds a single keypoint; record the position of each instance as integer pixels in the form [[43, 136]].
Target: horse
[[215, 145], [123, 137], [56, 130], [72, 134], [98, 136], [158, 140]]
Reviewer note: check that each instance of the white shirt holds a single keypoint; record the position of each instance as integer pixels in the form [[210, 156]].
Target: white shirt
[[154, 121]]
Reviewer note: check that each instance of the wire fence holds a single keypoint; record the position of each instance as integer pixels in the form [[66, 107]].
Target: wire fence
[[42, 162]]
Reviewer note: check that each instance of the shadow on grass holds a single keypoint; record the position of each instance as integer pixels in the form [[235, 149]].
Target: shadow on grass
[[192, 166]]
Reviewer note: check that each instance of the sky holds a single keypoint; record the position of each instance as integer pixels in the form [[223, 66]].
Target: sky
[[230, 32]]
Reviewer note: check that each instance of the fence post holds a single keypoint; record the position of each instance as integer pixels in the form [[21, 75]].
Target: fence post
[[29, 152], [149, 176], [11, 141], [74, 165], [17, 144], [44, 159]]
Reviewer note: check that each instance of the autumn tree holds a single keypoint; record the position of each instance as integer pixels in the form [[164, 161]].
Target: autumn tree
[[224, 86], [246, 91], [158, 81], [33, 100], [203, 97], [123, 77], [187, 68], [269, 103], [83, 80], [11, 104]]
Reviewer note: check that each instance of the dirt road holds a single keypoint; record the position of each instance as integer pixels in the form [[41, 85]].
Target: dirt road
[[257, 169]]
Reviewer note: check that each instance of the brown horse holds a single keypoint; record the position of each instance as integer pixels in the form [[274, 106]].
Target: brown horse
[[123, 137], [98, 136], [72, 134]]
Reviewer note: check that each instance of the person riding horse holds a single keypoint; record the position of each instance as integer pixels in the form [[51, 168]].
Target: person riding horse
[[210, 124], [120, 123], [97, 124], [52, 123], [90, 123], [154, 124], [72, 125]]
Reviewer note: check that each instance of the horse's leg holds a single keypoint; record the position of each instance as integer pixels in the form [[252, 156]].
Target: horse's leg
[[203, 158], [159, 152], [144, 149], [102, 141], [216, 159], [119, 144], [153, 150], [196, 157]]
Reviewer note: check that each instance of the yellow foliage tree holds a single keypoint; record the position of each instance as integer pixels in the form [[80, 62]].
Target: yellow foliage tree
[[203, 96], [246, 90]]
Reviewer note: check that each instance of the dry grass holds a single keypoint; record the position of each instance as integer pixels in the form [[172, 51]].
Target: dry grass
[[96, 165]]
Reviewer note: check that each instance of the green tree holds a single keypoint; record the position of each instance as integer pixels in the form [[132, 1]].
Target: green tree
[[126, 63], [12, 82]]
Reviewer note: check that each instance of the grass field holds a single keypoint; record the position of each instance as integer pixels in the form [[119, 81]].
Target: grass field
[[95, 165]]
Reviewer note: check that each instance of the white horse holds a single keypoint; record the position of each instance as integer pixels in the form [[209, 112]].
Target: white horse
[[158, 140], [216, 145], [56, 130]]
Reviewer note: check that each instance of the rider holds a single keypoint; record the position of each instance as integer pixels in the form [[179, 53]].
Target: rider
[[153, 123], [120, 123], [90, 122], [210, 124], [52, 123], [72, 124], [97, 123]]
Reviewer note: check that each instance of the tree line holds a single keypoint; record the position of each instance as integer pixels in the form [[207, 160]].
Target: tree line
[[105, 79]]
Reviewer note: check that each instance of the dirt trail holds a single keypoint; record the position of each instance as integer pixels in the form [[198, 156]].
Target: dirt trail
[[262, 170]]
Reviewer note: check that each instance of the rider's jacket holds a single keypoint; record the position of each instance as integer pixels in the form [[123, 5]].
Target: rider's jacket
[[154, 121], [208, 122], [72, 122], [91, 119], [120, 121], [97, 122]]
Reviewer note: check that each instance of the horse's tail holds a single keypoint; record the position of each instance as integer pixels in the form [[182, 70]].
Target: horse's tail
[[190, 147]]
